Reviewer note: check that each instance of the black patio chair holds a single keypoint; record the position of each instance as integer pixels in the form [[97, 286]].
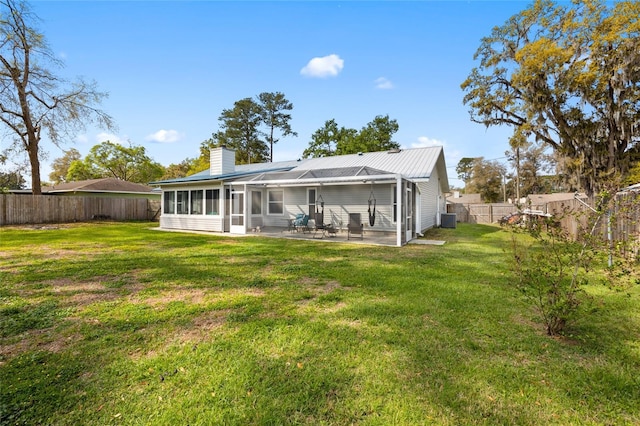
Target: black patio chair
[[323, 228], [355, 226]]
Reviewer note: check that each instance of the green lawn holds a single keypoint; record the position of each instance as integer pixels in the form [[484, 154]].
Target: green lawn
[[123, 324]]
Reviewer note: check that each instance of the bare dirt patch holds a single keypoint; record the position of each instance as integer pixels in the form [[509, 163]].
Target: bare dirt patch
[[32, 340], [314, 285], [197, 296], [81, 293], [66, 286], [203, 326], [189, 295], [199, 331]]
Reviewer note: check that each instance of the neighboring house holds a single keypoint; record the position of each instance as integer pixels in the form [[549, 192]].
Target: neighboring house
[[459, 198], [543, 199], [105, 187], [407, 186]]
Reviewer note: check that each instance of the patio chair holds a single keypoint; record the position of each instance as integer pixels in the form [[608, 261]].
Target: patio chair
[[301, 222], [323, 228], [355, 226]]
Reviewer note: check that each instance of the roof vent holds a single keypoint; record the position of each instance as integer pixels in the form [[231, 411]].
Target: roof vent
[[360, 153], [394, 151]]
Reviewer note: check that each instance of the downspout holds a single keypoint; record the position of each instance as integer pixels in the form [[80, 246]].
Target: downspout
[[438, 207], [245, 208], [399, 229], [223, 208]]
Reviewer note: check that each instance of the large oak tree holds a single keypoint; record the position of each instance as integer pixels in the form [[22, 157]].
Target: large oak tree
[[569, 75], [108, 159], [60, 166], [34, 100], [331, 139]]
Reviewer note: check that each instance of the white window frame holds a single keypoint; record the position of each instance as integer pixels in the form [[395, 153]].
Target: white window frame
[[172, 202], [193, 202], [184, 203], [215, 201], [269, 203]]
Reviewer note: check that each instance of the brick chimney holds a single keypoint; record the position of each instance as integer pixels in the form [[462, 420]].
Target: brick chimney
[[222, 161]]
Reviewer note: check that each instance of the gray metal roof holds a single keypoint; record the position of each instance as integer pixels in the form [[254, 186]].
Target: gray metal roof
[[305, 174], [240, 170], [98, 185], [260, 167], [412, 163]]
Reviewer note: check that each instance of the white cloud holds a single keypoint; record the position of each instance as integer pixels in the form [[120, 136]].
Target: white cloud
[[383, 83], [452, 156], [164, 136], [326, 66], [424, 141], [103, 137]]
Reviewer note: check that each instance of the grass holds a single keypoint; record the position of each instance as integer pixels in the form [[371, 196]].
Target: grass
[[122, 324]]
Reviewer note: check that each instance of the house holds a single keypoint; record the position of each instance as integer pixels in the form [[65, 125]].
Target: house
[[399, 191], [459, 198], [540, 201], [104, 188]]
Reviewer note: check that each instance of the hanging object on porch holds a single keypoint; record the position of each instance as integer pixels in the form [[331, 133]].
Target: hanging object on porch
[[319, 202], [372, 207], [319, 216]]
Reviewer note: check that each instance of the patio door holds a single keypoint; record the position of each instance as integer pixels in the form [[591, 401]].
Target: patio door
[[311, 202], [237, 212], [409, 207]]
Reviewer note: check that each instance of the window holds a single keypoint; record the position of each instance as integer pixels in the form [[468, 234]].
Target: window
[[169, 202], [196, 201], [212, 201], [256, 202], [276, 202], [182, 202]]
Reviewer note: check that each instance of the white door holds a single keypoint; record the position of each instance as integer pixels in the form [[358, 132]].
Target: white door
[[409, 224], [237, 213]]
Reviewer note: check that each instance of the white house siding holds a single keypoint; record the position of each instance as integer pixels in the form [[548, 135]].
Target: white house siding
[[431, 205], [339, 201], [192, 222], [221, 161]]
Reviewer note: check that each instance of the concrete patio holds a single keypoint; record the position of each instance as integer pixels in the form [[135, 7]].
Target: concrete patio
[[369, 237], [377, 238]]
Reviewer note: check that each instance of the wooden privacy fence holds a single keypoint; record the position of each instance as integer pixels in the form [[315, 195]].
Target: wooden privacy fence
[[483, 213], [572, 215], [32, 209], [624, 225]]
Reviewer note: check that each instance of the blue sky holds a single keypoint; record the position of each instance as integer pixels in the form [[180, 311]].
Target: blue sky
[[170, 68]]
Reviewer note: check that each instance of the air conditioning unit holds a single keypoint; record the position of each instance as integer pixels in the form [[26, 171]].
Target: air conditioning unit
[[448, 220]]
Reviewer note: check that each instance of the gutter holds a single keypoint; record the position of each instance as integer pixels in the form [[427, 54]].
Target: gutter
[[306, 182]]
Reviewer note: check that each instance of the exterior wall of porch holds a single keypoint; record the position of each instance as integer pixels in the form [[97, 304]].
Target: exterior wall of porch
[[339, 202]]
